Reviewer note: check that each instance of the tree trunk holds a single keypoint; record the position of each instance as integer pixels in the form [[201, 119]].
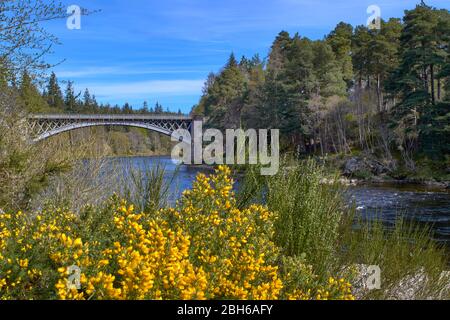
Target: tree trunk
[[433, 98], [379, 94], [439, 89], [425, 79]]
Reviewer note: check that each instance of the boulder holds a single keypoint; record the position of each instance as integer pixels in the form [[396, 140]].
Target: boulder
[[356, 165], [352, 166]]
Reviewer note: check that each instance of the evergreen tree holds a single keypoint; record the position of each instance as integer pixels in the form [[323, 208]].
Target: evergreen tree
[[70, 98], [127, 109], [145, 107], [87, 100], [158, 108], [30, 95], [278, 56], [328, 76], [54, 95], [299, 69], [225, 99], [361, 55], [384, 47], [423, 53], [340, 40], [252, 98], [94, 104]]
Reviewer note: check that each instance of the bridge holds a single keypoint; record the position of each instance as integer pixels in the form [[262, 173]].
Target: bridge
[[43, 126]]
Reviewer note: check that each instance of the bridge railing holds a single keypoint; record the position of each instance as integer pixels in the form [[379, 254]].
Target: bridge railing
[[107, 117]]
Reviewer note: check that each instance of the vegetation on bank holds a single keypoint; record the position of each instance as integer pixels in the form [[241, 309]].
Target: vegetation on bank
[[315, 224], [380, 94], [121, 142], [214, 244]]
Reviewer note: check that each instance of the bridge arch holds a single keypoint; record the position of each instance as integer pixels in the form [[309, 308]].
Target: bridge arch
[[75, 126]]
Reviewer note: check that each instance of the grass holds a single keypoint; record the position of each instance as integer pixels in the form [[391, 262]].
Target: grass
[[148, 188], [404, 251]]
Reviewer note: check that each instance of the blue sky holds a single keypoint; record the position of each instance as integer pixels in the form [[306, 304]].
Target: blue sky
[[136, 50]]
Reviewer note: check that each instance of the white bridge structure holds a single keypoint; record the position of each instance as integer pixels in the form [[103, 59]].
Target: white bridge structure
[[43, 126]]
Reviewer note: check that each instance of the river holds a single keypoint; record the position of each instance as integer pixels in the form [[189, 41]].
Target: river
[[388, 202]]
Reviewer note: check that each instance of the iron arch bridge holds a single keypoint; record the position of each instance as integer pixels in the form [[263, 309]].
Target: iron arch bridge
[[43, 126]]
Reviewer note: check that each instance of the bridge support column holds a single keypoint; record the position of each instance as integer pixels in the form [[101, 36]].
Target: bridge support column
[[196, 132]]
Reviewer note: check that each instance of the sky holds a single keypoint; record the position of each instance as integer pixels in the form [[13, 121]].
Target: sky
[[162, 51]]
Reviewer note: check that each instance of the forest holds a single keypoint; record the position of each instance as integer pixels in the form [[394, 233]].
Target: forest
[[381, 95]]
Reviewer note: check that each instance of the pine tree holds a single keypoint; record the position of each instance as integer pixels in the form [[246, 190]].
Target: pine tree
[[30, 95], [87, 100], [158, 108], [127, 109], [278, 53], [225, 99], [424, 53], [328, 76], [361, 55], [288, 84], [340, 40], [255, 78], [384, 47], [145, 107], [70, 98], [54, 95]]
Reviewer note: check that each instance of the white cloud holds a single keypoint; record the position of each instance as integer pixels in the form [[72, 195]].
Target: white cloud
[[143, 88], [99, 71]]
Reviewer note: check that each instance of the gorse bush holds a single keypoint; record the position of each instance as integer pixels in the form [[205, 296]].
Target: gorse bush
[[232, 245], [204, 248], [310, 211]]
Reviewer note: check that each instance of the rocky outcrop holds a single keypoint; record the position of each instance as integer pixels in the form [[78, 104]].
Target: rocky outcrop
[[357, 166], [411, 287]]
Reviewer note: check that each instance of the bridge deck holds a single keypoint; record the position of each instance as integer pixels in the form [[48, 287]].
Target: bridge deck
[[107, 117]]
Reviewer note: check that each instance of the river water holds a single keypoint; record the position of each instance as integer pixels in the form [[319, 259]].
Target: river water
[[386, 202]]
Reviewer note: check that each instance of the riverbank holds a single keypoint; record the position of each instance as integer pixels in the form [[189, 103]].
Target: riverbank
[[382, 180], [430, 185], [367, 169]]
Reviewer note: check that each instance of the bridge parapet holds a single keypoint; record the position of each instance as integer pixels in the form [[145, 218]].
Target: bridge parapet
[[106, 117]]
